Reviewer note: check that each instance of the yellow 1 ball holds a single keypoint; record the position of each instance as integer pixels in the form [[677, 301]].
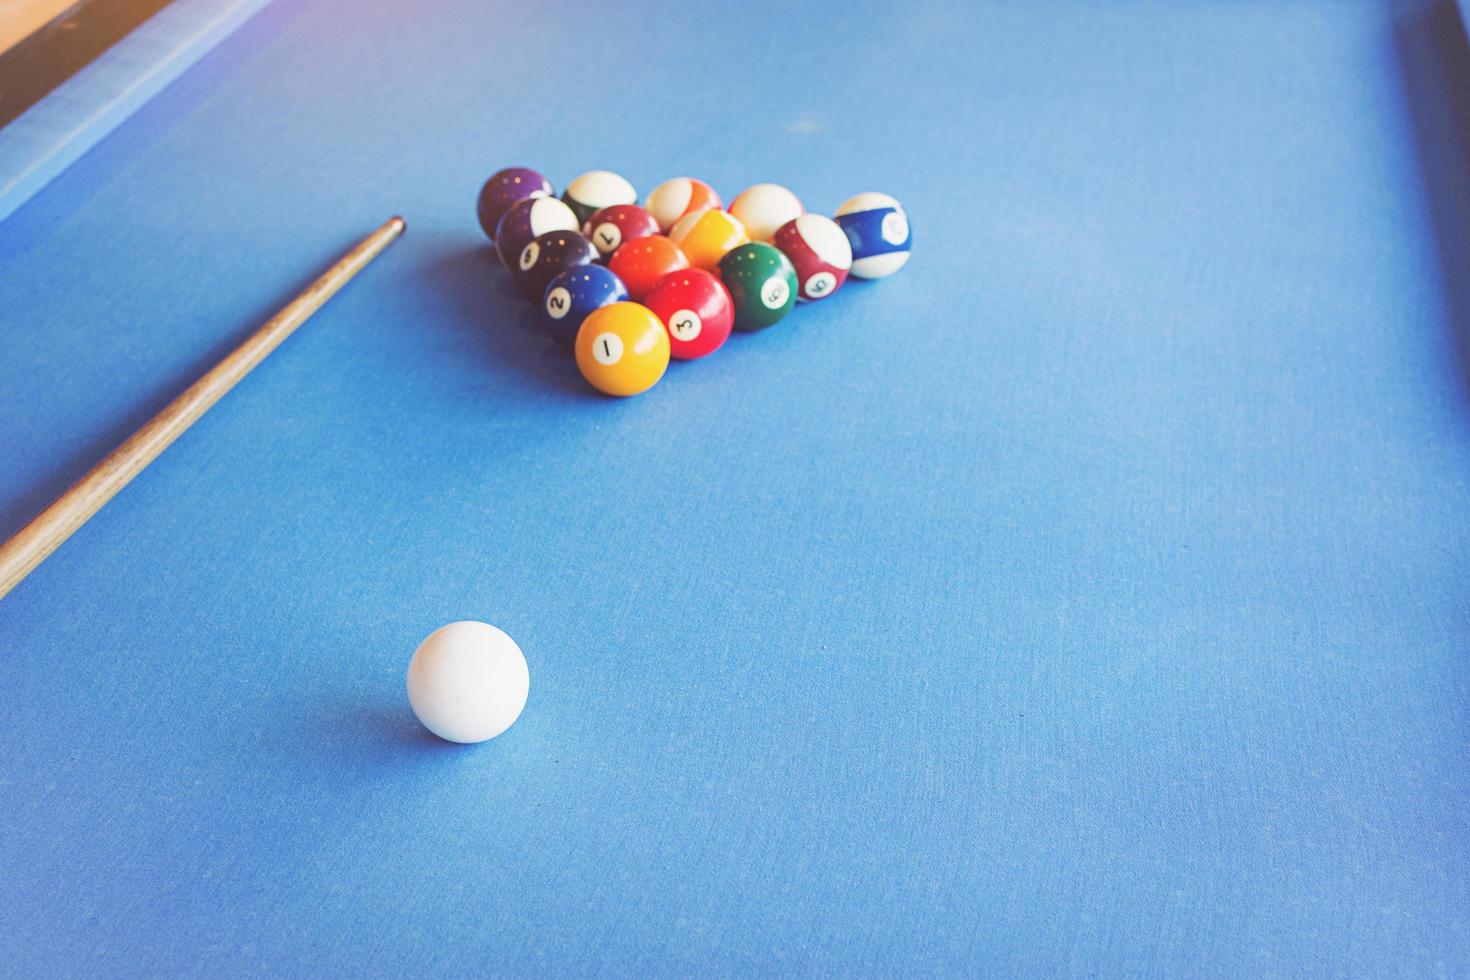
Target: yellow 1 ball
[[622, 349]]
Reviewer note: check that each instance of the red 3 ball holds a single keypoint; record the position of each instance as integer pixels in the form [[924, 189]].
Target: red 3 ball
[[820, 252], [612, 226], [695, 308]]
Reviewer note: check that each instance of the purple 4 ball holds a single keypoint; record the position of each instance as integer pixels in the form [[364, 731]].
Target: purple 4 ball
[[505, 188], [549, 254]]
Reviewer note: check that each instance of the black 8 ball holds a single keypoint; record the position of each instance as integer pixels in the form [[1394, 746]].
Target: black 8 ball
[[548, 254]]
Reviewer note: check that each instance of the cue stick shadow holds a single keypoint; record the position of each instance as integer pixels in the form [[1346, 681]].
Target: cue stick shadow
[[495, 315], [1433, 54]]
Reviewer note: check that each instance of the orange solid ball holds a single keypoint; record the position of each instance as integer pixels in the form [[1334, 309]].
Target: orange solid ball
[[708, 236], [644, 261], [622, 349]]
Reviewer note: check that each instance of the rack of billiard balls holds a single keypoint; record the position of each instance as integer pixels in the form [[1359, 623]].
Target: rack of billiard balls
[[630, 286]]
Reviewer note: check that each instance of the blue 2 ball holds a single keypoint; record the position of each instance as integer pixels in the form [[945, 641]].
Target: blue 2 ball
[[576, 292]]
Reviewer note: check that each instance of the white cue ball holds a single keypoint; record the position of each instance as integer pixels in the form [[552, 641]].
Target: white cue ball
[[468, 682]]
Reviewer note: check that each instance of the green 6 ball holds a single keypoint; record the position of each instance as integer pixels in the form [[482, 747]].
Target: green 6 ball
[[762, 282]]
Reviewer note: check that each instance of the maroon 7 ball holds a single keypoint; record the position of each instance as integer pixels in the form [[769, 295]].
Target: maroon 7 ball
[[820, 252], [549, 254], [696, 310], [612, 226]]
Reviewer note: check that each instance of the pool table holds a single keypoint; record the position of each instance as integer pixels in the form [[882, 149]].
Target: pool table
[[1092, 597]]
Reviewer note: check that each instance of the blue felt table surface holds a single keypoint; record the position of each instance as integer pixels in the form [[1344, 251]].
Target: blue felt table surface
[[1088, 598]]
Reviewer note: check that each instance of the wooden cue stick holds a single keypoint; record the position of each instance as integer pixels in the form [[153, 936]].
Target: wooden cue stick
[[22, 553]]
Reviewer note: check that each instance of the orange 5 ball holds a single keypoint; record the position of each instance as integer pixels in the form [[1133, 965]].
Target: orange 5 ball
[[643, 261], [622, 349]]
